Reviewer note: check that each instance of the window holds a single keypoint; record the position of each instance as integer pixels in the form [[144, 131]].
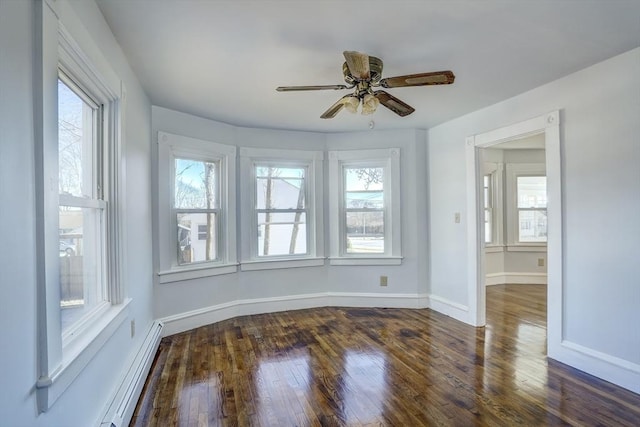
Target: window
[[493, 205], [532, 208], [197, 209], [526, 185], [365, 207], [79, 190], [281, 211], [197, 215], [282, 208], [488, 209], [82, 208]]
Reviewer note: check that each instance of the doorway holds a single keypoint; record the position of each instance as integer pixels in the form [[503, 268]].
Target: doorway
[[549, 126]]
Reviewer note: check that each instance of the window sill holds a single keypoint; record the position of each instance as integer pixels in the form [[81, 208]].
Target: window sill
[[364, 260], [78, 354], [529, 247], [273, 264], [493, 248], [178, 275]]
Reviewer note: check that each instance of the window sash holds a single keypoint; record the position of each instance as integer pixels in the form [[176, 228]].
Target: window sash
[[520, 208], [195, 236], [216, 180], [258, 169], [86, 272], [489, 202], [178, 258], [346, 249]]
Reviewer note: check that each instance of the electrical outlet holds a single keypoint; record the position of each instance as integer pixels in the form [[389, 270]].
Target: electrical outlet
[[540, 262], [383, 280], [456, 217], [133, 328]]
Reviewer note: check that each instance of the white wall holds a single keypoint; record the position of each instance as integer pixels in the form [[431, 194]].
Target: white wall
[[83, 402], [174, 299], [601, 198]]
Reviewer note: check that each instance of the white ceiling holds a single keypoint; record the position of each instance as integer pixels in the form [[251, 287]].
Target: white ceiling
[[223, 59]]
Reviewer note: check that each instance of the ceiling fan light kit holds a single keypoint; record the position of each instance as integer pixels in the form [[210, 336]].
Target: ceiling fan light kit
[[362, 73]]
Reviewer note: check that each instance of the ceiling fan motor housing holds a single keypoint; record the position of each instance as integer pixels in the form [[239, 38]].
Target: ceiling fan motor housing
[[375, 71]]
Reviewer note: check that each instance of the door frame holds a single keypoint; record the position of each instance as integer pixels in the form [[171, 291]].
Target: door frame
[[549, 124]]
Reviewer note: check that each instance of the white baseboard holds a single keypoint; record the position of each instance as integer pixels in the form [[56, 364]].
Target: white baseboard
[[516, 279], [450, 308], [120, 408], [205, 316], [610, 368]]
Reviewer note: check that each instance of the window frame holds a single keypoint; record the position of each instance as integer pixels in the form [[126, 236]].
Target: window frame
[[513, 171], [62, 358], [389, 160], [171, 147], [312, 161]]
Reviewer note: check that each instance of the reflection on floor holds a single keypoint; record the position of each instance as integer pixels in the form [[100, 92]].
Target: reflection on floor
[[396, 367]]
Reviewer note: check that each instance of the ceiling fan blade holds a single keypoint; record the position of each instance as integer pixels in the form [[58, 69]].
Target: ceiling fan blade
[[422, 79], [358, 64], [321, 87], [393, 103], [335, 108]]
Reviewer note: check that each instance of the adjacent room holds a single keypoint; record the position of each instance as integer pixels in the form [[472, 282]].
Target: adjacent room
[[349, 213]]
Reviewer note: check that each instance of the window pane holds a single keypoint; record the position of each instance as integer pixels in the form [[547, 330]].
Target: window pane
[[80, 260], [487, 192], [532, 226], [357, 179], [75, 144], [197, 235], [282, 233], [280, 188], [487, 226], [364, 188], [532, 191], [196, 184], [365, 232]]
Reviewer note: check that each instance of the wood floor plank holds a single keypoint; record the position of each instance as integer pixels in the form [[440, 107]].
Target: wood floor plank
[[374, 366]]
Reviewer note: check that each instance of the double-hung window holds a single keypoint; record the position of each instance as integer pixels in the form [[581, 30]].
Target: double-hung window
[[532, 208], [282, 208], [196, 217], [526, 204], [365, 207], [80, 230], [488, 209], [82, 207], [196, 204], [364, 213], [493, 205]]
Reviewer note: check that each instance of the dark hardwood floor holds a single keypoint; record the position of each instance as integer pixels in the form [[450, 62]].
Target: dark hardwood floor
[[396, 367]]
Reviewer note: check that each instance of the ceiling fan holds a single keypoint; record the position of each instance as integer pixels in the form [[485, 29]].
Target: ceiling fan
[[364, 72]]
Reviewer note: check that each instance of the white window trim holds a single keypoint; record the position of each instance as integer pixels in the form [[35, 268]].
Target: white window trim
[[513, 171], [60, 362], [312, 160], [171, 146], [390, 158]]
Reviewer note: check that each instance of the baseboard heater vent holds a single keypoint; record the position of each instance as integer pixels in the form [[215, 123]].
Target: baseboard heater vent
[[121, 407]]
